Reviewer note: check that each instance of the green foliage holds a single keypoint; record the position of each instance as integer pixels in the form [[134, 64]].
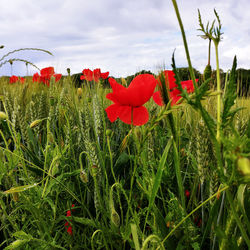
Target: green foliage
[[229, 96]]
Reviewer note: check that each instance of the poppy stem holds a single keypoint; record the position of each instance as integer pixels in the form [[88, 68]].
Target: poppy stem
[[132, 125]]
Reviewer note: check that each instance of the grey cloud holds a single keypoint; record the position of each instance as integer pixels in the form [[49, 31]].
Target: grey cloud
[[119, 36]]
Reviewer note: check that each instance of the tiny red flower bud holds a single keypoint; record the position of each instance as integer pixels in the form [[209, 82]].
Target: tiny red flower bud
[[187, 193]]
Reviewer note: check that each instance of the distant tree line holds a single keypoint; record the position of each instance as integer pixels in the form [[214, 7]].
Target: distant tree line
[[243, 78]]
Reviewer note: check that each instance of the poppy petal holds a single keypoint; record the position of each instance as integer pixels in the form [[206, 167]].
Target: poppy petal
[[140, 115], [36, 77], [69, 231], [169, 74], [112, 112], [175, 96], [188, 85], [57, 77], [88, 74], [104, 75], [97, 74], [112, 97], [49, 71], [157, 98], [140, 90], [116, 87]]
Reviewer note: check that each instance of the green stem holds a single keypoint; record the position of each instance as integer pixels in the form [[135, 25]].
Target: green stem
[[191, 70], [209, 51], [111, 158], [178, 175], [236, 217], [219, 95]]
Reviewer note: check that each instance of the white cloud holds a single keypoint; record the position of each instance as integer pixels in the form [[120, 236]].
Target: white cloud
[[119, 36]]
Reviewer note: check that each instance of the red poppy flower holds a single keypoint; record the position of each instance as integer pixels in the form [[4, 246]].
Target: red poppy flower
[[95, 75], [36, 77], [187, 193], [46, 74], [57, 77], [22, 80], [69, 228], [170, 79], [14, 79], [104, 75], [67, 225], [174, 93], [128, 101], [87, 75]]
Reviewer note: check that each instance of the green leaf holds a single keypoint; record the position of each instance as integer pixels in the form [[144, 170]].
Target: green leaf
[[240, 196], [22, 235], [230, 95], [84, 221], [16, 244], [135, 236], [20, 188], [157, 179]]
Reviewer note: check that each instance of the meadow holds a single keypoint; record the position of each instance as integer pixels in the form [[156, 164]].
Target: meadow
[[155, 163]]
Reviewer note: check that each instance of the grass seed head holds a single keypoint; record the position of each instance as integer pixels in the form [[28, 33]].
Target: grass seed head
[[83, 176], [79, 93], [35, 123]]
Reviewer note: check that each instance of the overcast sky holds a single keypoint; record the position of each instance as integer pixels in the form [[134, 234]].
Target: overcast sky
[[119, 36]]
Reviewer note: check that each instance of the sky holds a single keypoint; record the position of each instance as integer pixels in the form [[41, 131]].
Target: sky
[[119, 36]]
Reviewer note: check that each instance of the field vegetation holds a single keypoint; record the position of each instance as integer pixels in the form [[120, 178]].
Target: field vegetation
[[168, 172]]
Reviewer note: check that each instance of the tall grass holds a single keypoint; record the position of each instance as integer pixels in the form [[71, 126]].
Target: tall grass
[[122, 181]]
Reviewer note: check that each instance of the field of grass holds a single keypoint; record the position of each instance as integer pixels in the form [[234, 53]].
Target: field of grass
[[71, 179]]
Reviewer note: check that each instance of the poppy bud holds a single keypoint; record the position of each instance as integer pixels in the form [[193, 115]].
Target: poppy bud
[[243, 165], [2, 46], [11, 62], [68, 70], [83, 176], [108, 132], [115, 218], [187, 193], [207, 72], [3, 116]]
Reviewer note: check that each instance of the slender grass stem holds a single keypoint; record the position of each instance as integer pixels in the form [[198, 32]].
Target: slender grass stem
[[186, 217], [191, 70], [219, 95]]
